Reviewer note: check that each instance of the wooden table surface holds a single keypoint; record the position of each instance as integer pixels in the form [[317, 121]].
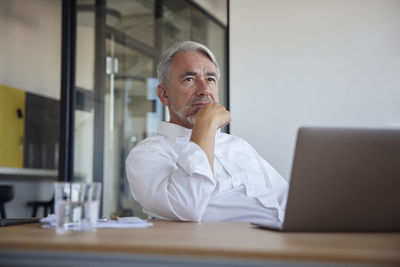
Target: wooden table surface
[[212, 239]]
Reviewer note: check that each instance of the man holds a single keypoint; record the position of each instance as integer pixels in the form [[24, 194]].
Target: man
[[190, 171]]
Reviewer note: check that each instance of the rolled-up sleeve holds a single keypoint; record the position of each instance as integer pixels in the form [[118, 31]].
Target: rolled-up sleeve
[[170, 186]]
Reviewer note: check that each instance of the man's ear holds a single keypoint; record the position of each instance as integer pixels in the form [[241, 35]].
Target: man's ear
[[162, 94]]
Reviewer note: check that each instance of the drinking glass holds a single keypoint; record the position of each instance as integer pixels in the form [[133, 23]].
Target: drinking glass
[[76, 206]]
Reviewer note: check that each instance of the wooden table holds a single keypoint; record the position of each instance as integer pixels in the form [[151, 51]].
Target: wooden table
[[221, 241]]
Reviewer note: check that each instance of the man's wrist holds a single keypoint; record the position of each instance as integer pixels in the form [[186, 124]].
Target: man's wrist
[[206, 123]]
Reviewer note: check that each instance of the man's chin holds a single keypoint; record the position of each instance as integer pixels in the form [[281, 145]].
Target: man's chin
[[194, 110]]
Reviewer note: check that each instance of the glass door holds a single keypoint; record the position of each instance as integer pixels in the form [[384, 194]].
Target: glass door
[[119, 44], [133, 112]]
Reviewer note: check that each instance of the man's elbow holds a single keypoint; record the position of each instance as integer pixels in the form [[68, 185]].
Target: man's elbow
[[190, 216], [173, 211], [188, 209]]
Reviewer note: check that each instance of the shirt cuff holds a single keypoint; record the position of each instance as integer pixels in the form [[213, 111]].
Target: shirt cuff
[[194, 161]]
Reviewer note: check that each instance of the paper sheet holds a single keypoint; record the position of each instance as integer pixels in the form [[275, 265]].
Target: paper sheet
[[123, 222]]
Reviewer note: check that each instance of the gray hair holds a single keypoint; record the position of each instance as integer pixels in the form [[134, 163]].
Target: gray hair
[[164, 67]]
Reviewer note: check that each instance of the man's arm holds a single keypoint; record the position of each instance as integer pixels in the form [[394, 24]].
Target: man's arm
[[169, 185], [206, 123]]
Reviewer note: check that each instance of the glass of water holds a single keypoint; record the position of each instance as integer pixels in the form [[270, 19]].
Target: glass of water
[[76, 206]]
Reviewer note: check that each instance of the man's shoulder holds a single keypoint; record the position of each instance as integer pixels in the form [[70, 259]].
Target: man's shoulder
[[151, 144], [154, 139]]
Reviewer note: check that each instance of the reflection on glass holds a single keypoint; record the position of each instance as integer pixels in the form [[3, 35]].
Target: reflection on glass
[[137, 33], [84, 112]]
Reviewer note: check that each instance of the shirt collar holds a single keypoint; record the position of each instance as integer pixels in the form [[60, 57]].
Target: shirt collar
[[173, 131]]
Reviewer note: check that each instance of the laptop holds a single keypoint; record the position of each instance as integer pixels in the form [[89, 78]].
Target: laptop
[[344, 180]]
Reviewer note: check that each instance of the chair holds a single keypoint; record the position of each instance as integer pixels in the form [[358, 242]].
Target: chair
[[6, 194], [47, 206]]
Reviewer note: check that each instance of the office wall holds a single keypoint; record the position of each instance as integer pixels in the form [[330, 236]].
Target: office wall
[[30, 52], [314, 63], [30, 60]]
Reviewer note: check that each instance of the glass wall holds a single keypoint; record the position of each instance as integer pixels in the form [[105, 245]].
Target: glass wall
[[119, 44]]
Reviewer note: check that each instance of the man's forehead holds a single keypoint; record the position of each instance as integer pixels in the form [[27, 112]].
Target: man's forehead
[[193, 61]]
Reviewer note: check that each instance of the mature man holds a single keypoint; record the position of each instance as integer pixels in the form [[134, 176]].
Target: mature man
[[190, 171]]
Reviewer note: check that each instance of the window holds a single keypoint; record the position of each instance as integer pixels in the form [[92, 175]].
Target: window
[[117, 106]]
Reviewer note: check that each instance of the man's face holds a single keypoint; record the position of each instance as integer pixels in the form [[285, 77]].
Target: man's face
[[193, 83]]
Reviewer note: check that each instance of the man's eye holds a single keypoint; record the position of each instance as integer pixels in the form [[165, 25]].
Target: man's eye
[[188, 80], [211, 80]]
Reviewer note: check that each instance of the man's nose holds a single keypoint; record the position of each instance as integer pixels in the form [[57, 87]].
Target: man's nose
[[203, 88]]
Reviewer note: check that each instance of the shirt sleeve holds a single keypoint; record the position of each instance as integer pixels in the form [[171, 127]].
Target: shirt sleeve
[[170, 186]]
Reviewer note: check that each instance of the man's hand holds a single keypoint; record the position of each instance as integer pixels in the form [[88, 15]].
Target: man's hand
[[211, 115], [206, 122]]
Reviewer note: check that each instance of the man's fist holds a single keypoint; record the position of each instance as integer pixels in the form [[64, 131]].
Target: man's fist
[[212, 114]]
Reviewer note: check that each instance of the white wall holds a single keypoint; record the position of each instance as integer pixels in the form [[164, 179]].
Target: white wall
[[30, 46], [311, 62]]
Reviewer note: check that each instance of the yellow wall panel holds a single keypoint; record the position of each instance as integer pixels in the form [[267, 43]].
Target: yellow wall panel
[[12, 127]]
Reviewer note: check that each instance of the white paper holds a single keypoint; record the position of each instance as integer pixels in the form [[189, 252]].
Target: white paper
[[123, 222]]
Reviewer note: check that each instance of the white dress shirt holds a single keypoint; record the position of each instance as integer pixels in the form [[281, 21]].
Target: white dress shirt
[[171, 178]]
